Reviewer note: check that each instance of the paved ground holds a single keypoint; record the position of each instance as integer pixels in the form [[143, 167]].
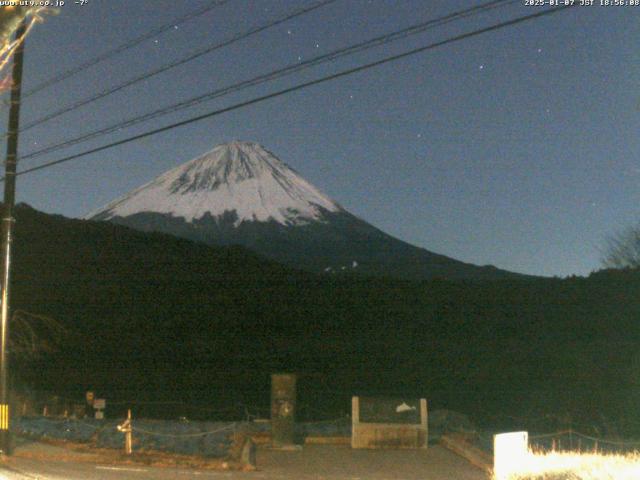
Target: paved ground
[[330, 462], [342, 463]]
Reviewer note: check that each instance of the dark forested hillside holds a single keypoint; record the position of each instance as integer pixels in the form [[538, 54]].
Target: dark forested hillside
[[155, 317]]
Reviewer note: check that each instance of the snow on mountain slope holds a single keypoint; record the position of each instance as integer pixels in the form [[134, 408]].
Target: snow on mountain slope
[[241, 194], [240, 177]]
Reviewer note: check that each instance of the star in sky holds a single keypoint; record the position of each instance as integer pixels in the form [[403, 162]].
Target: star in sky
[[598, 44]]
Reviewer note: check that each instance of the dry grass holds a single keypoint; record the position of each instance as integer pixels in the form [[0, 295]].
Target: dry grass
[[578, 466]]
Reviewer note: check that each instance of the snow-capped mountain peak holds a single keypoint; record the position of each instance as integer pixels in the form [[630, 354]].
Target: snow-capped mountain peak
[[241, 194], [241, 178]]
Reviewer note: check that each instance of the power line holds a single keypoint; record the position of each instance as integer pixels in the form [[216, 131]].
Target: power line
[[275, 74], [182, 61], [301, 86], [122, 48]]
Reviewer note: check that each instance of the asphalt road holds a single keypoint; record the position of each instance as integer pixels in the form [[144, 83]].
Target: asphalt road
[[313, 462], [29, 469]]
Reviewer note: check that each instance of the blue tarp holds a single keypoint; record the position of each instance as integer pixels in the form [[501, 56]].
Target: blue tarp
[[190, 438], [195, 437]]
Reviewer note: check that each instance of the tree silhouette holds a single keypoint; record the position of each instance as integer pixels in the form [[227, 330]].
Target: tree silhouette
[[32, 335], [622, 249]]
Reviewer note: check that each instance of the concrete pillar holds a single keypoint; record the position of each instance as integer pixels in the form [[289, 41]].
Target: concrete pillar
[[283, 407]]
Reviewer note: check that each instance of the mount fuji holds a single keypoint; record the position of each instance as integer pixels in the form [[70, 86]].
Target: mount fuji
[[240, 193]]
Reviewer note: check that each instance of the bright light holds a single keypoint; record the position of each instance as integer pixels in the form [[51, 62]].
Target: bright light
[[579, 465], [513, 460], [510, 453], [9, 46]]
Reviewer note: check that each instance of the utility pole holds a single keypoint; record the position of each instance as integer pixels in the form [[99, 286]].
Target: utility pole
[[7, 231]]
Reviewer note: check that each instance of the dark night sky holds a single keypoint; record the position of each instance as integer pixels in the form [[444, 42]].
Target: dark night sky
[[517, 148]]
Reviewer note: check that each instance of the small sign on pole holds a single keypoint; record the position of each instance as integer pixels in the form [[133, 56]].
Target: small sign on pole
[[99, 405]]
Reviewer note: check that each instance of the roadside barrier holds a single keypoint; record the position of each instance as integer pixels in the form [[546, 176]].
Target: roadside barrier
[[210, 439], [574, 440]]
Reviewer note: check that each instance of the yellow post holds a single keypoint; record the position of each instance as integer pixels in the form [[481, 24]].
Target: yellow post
[[128, 438]]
